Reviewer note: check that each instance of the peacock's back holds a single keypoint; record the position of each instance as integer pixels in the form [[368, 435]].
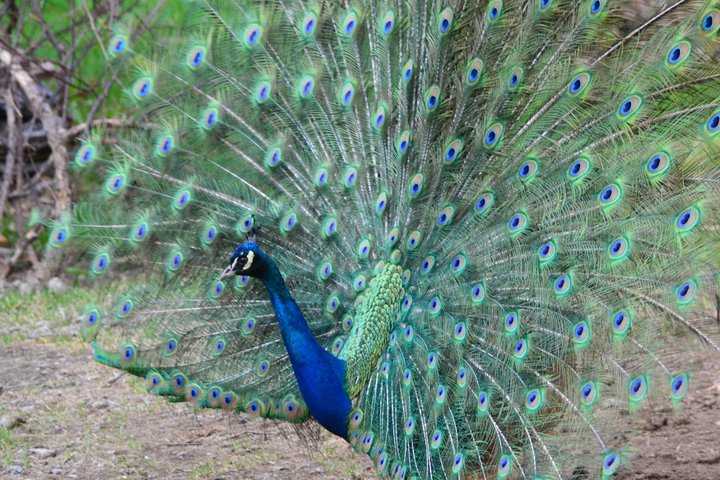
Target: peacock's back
[[544, 174]]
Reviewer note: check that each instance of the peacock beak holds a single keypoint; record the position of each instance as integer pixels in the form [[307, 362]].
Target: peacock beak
[[229, 271]]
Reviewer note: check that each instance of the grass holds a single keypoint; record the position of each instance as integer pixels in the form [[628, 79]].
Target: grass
[[44, 317]]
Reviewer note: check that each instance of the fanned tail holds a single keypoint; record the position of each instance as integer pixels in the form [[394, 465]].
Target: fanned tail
[[545, 173]]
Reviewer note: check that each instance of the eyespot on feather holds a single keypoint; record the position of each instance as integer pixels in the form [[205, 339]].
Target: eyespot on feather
[[678, 54], [579, 84], [494, 10], [493, 135], [629, 108]]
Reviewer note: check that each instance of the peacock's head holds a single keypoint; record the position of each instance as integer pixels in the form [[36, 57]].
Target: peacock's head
[[247, 259]]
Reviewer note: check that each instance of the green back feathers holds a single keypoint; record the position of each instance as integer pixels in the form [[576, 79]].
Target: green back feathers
[[542, 173]]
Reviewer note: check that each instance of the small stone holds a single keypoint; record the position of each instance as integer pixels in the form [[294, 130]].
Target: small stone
[[16, 469], [56, 285], [56, 471], [11, 421], [102, 404], [27, 288], [43, 452]]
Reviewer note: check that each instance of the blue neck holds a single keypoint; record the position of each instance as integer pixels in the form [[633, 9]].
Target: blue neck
[[319, 374]]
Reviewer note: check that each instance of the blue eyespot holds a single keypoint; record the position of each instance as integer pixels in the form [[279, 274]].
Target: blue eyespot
[[674, 55], [210, 118], [195, 57], [85, 155], [478, 293], [610, 195], [710, 21], [473, 75], [494, 12], [714, 123], [125, 309], [388, 27], [350, 177], [171, 345], [610, 464], [658, 164], [510, 321], [143, 87], [544, 4], [350, 24], [595, 8], [262, 91], [504, 465], [182, 200], [446, 215], [686, 291], [116, 183], [348, 96], [588, 393], [533, 400], [252, 34], [677, 384], [513, 79], [434, 305], [379, 120], [638, 388], [60, 236], [408, 71], [707, 22], [118, 44], [427, 264], [309, 26], [306, 86], [450, 154], [517, 223], [128, 354], [625, 109], [166, 144]]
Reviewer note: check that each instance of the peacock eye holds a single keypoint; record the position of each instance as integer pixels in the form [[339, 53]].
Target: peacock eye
[[242, 259]]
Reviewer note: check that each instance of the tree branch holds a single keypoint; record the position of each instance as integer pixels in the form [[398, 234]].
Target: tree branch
[[51, 123]]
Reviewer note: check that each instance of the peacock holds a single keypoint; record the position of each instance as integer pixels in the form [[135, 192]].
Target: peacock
[[466, 237]]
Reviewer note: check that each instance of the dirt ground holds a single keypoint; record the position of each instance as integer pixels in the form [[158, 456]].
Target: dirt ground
[[63, 416]]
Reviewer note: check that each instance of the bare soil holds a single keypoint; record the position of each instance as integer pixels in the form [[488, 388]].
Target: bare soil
[[63, 416]]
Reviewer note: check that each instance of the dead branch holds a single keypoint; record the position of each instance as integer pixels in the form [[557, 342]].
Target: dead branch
[[10, 111], [51, 123]]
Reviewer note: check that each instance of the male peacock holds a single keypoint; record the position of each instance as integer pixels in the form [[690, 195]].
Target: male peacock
[[476, 224]]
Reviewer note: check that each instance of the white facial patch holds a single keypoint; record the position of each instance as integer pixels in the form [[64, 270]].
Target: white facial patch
[[251, 257]]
